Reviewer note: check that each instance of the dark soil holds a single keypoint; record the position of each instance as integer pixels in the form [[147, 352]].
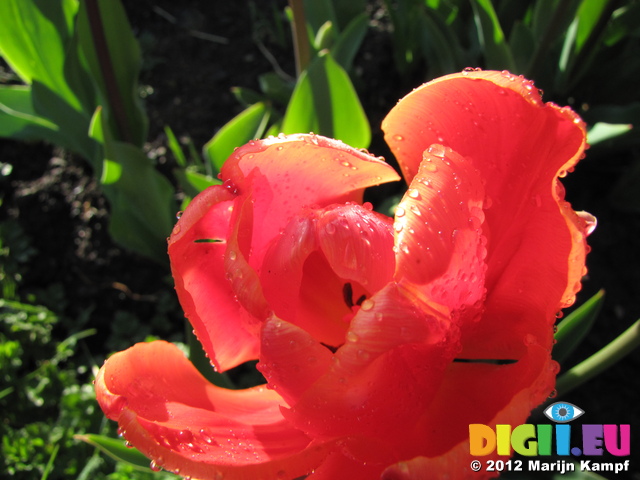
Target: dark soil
[[195, 52]]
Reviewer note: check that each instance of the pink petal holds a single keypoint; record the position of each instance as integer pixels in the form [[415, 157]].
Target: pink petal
[[297, 171], [291, 360], [438, 231], [305, 271], [535, 242], [168, 411], [388, 369], [228, 333]]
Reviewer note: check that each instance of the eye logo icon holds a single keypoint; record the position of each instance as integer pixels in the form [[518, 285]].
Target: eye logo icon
[[563, 412]]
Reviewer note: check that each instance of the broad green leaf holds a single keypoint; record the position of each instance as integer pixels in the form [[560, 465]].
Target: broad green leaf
[[573, 329], [325, 102], [247, 125], [495, 48], [349, 41], [34, 36], [141, 199], [17, 118], [72, 124], [117, 450], [588, 15], [606, 131], [275, 88], [113, 57]]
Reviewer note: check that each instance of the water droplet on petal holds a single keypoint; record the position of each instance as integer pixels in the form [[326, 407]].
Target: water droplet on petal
[[154, 466], [367, 304], [437, 150], [413, 193], [330, 228], [400, 211], [232, 255], [179, 214], [351, 336]]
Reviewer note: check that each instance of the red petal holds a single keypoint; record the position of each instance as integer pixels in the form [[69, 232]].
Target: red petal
[[291, 360], [474, 393], [388, 369], [226, 330], [305, 271], [536, 247], [173, 415], [358, 245], [301, 170], [438, 231]]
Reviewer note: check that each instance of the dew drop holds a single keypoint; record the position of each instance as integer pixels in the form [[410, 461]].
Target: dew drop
[[398, 138], [363, 355], [154, 466], [415, 210], [352, 337], [232, 255], [437, 150], [553, 393], [400, 211], [413, 193], [367, 304], [330, 228], [397, 226], [179, 214]]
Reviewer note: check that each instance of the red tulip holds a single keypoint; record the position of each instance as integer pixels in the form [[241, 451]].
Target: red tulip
[[380, 339]]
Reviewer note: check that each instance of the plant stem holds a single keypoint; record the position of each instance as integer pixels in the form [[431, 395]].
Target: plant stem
[[601, 360], [114, 96], [300, 37]]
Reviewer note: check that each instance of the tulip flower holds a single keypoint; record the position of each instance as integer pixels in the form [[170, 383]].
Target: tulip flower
[[380, 339]]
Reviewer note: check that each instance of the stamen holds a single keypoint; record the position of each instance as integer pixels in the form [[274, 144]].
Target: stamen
[[361, 299], [347, 294]]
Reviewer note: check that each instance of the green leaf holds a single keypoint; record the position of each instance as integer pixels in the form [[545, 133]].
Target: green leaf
[[193, 182], [495, 48], [275, 88], [325, 102], [325, 37], [317, 12], [113, 57], [175, 147], [573, 329], [17, 118], [117, 450], [33, 40], [606, 131], [601, 360], [141, 199], [349, 41], [247, 125], [440, 45]]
